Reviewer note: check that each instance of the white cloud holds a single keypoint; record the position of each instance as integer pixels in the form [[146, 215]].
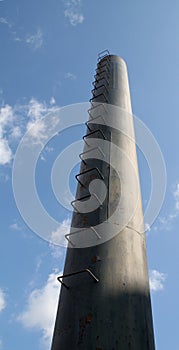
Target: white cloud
[[15, 227], [176, 197], [2, 300], [57, 252], [16, 132], [40, 311], [156, 280], [73, 12], [5, 152], [36, 126], [6, 118], [166, 222], [35, 40], [74, 17], [58, 236], [4, 20], [37, 130], [52, 101], [36, 109], [16, 120], [70, 76], [4, 177]]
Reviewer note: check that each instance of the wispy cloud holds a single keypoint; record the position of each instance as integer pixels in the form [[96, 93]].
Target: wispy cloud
[[156, 280], [58, 236], [58, 240], [15, 226], [70, 76], [40, 310], [16, 133], [2, 300], [166, 222], [35, 41], [176, 197], [16, 120], [36, 125], [6, 119], [5, 152], [4, 20], [52, 101], [4, 177], [73, 12]]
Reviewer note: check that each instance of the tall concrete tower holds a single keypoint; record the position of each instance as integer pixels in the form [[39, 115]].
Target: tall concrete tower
[[105, 298]]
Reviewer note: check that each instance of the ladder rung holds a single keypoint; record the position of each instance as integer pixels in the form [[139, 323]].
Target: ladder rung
[[84, 173], [103, 54], [103, 69], [99, 87], [105, 63], [92, 133], [99, 76], [59, 278], [95, 97], [94, 119], [98, 104], [90, 150], [98, 81], [82, 198], [88, 126], [81, 230]]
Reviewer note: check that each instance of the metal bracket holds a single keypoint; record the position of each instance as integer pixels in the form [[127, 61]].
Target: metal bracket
[[90, 150], [77, 273], [103, 63], [86, 172], [97, 81], [103, 54], [88, 126], [82, 198], [102, 73], [104, 83], [92, 119], [99, 87], [75, 232], [95, 97], [98, 76], [103, 69], [98, 104], [91, 133]]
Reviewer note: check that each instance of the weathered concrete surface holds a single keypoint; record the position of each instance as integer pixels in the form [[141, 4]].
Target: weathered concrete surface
[[114, 314]]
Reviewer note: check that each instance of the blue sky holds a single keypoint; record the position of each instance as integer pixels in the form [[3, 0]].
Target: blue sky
[[47, 60]]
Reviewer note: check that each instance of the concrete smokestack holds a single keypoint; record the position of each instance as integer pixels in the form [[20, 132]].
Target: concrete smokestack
[[105, 298]]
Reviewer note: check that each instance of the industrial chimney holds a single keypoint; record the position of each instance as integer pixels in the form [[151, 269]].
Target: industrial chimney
[[105, 297]]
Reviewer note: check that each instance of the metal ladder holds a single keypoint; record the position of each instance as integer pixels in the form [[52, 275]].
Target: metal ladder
[[99, 93]]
